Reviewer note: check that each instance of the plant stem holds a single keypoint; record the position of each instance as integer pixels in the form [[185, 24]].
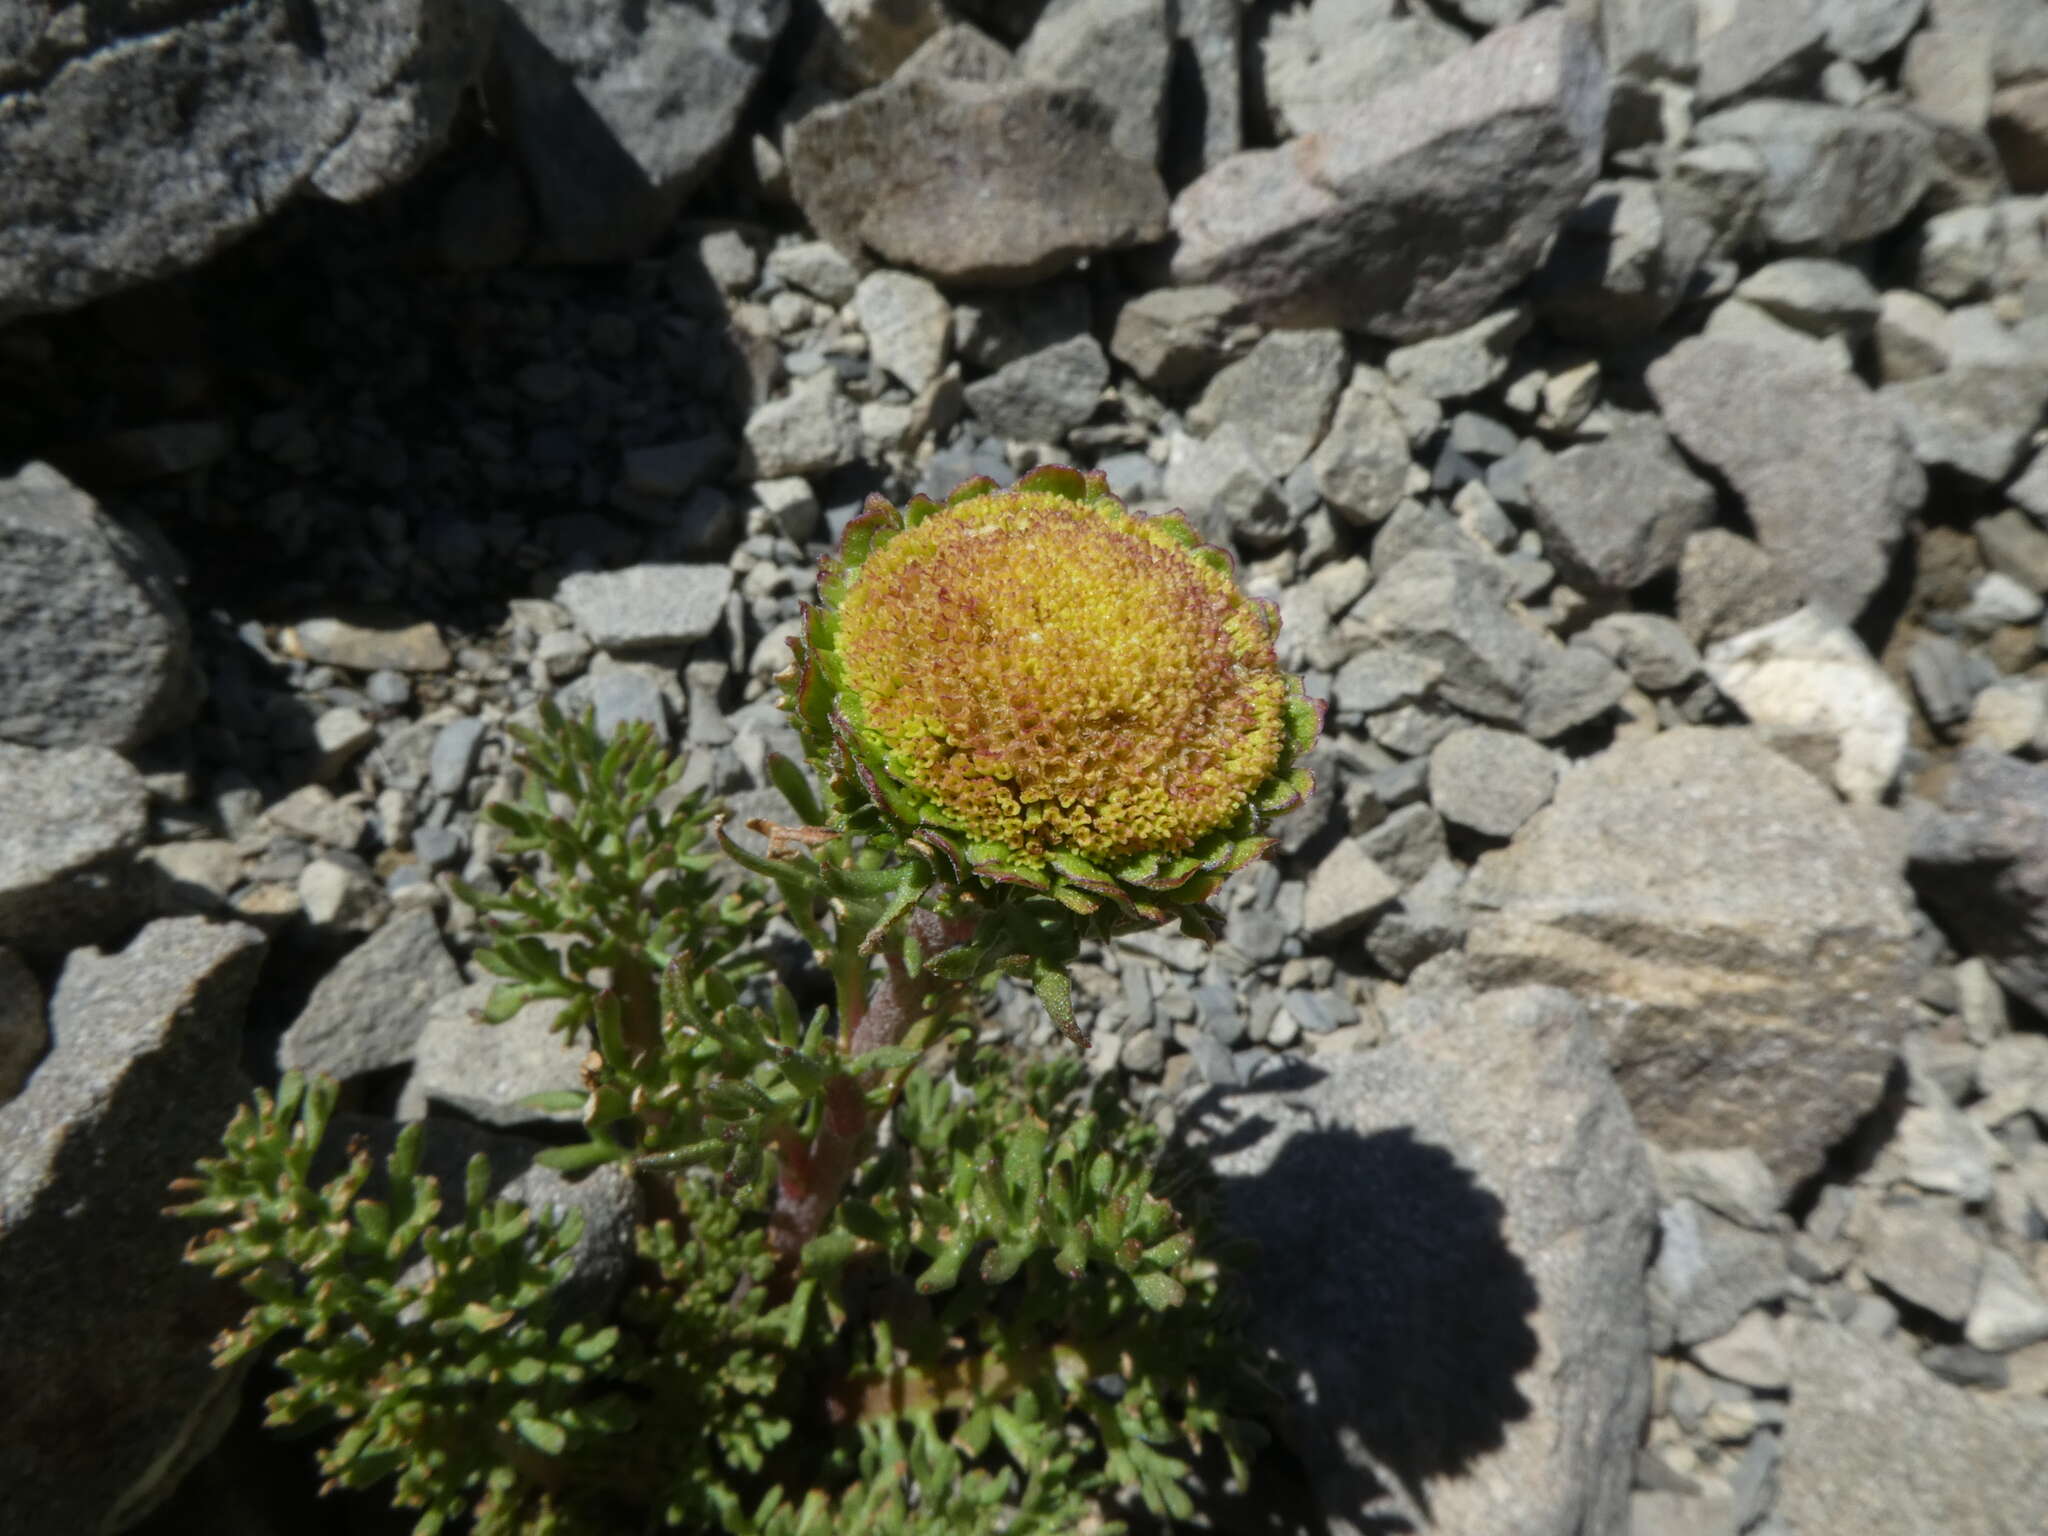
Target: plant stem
[[808, 1187]]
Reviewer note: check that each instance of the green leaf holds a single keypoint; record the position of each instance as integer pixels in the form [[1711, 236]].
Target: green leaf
[[575, 1159], [1159, 1290], [559, 1101], [544, 1435], [795, 786]]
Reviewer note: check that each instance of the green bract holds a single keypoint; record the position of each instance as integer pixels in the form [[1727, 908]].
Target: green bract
[[1044, 693]]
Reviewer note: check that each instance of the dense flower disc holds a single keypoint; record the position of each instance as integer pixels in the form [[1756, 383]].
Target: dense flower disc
[[1052, 692], [1056, 677]]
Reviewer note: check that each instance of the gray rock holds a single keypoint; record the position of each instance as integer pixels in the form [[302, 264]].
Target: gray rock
[[1206, 94], [1751, 1353], [1864, 31], [1650, 39], [2015, 547], [1980, 866], [1450, 609], [1617, 513], [1495, 1228], [1414, 212], [483, 1071], [1922, 1253], [622, 695], [1462, 363], [1174, 338], [1280, 393], [1730, 1181], [616, 110], [1947, 76], [367, 1013], [1344, 891], [959, 51], [908, 325], [340, 895], [1223, 484], [364, 647], [67, 873], [111, 1394], [1621, 263], [1912, 337], [647, 605], [24, 1030], [1973, 420], [2019, 127], [1764, 46], [1939, 671], [1822, 469], [94, 647], [1119, 49], [118, 133], [999, 326], [1718, 909], [1572, 686], [1042, 396], [1727, 584], [1322, 60], [816, 267], [2009, 1311], [1813, 293], [1036, 164], [863, 42], [1491, 781], [1381, 677], [1741, 322], [455, 751], [1408, 844], [2030, 490], [1832, 175], [1709, 1271], [1653, 650], [1873, 1445], [811, 430], [1361, 465]]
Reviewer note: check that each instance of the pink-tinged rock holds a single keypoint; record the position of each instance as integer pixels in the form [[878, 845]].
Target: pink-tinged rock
[[1413, 212]]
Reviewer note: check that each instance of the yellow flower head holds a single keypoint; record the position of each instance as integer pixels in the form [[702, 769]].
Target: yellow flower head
[[1053, 691]]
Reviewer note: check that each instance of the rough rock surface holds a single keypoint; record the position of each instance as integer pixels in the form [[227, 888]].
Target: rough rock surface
[[1743, 941], [74, 820], [94, 643], [110, 1391], [1413, 213], [1000, 183], [1981, 863], [1822, 469], [1482, 1181], [367, 1013]]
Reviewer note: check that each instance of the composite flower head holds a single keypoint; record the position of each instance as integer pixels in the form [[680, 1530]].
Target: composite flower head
[[1053, 692]]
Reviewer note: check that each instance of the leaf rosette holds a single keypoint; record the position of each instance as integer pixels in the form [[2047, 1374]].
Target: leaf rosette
[[1051, 694]]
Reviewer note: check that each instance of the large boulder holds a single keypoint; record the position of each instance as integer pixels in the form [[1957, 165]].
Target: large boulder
[[1002, 182], [107, 1391], [1413, 212], [1452, 1235], [94, 646], [140, 143], [617, 109], [1824, 472], [1743, 938]]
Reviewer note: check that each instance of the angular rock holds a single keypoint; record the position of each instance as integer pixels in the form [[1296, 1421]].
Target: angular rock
[[1621, 263], [810, 431], [1980, 866], [1738, 320], [482, 1071], [94, 646], [2009, 1311], [1042, 396], [367, 1013], [1765, 46], [1174, 338], [138, 145], [1832, 175], [2019, 127], [1408, 844], [104, 1330], [365, 647], [1281, 393], [1361, 466], [1657, 654], [1616, 513], [908, 325], [1462, 363], [1947, 75], [1807, 675], [1345, 890], [647, 605], [1205, 96], [1480, 1180], [1741, 936], [1709, 1272], [1228, 493], [2015, 548], [1874, 1445], [617, 110], [1823, 471], [1912, 337], [1864, 31], [1491, 781], [1976, 421], [1120, 50], [866, 41], [1814, 294], [1727, 584], [1322, 60], [892, 170], [74, 819], [1451, 610], [1414, 212]]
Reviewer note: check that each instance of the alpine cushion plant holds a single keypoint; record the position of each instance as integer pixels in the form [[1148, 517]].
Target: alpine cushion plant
[[890, 1279]]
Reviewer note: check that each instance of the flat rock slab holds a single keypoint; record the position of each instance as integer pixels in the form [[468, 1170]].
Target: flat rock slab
[[1005, 182], [94, 645], [1415, 210], [647, 605], [367, 1013], [1458, 1223], [1823, 470], [1877, 1445], [107, 1391], [1740, 934]]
